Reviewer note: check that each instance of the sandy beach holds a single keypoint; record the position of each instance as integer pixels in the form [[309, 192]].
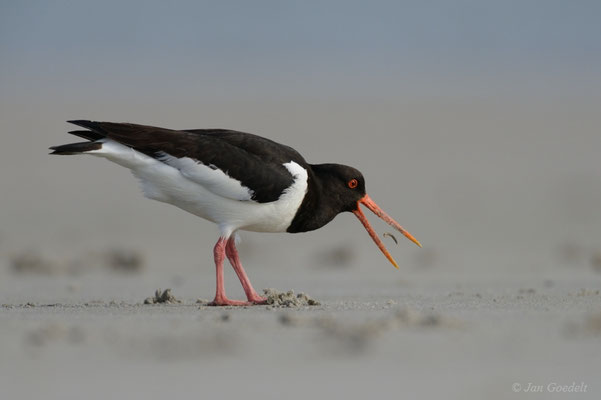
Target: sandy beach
[[429, 338]]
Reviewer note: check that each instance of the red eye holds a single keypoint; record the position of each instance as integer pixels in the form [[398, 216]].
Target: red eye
[[353, 183]]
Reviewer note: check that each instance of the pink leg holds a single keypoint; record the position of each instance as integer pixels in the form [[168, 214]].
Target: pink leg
[[220, 297], [232, 255]]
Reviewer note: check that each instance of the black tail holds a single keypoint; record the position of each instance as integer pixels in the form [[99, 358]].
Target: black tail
[[96, 128], [75, 148], [95, 133], [90, 135]]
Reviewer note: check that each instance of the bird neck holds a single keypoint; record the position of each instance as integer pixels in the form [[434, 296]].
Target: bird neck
[[317, 209]]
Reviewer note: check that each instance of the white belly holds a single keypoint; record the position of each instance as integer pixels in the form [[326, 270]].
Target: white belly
[[164, 183]]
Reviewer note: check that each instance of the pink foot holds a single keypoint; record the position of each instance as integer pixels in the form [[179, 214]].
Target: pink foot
[[224, 301], [228, 302], [258, 299]]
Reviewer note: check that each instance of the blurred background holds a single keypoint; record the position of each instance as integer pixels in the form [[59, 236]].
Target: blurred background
[[476, 125]]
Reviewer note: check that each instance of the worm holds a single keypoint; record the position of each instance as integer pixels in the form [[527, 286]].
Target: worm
[[391, 235]]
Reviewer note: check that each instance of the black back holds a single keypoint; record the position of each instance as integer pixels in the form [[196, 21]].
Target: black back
[[255, 161]]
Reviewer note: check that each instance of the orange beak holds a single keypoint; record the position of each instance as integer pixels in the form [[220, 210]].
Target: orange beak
[[369, 203]]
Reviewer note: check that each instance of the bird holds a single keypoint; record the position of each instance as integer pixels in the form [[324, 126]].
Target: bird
[[239, 181]]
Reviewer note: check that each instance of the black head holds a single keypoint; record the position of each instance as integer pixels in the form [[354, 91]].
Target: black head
[[344, 186], [343, 189]]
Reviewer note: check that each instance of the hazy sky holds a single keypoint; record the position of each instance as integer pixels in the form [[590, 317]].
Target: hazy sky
[[219, 50]]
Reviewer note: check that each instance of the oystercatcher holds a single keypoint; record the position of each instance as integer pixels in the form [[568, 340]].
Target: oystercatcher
[[237, 180]]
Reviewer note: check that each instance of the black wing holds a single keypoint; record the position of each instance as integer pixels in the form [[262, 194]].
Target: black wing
[[255, 161]]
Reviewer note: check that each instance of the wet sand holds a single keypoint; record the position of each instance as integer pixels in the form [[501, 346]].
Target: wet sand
[[428, 339]]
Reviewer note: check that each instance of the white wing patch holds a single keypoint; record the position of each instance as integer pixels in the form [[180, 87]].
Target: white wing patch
[[210, 177]]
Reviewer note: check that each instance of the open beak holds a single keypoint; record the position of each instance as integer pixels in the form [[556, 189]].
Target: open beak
[[369, 203]]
